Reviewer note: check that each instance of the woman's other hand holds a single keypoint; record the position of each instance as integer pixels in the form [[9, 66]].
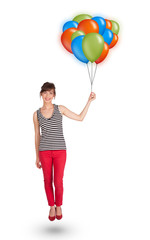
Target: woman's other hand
[[92, 97], [37, 163]]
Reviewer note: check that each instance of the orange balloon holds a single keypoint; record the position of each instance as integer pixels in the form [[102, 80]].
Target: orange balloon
[[108, 24], [88, 26], [114, 41], [103, 54], [66, 38]]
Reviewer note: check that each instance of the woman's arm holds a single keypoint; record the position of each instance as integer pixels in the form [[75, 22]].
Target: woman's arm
[[74, 116], [37, 137]]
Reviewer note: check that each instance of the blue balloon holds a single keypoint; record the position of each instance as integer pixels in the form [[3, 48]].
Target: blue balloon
[[108, 36], [70, 24], [101, 23], [76, 47]]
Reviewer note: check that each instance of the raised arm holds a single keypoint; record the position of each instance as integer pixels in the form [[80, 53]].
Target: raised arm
[[37, 138], [74, 116]]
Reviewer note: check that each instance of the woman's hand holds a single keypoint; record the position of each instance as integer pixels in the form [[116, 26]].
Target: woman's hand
[[92, 97], [38, 164]]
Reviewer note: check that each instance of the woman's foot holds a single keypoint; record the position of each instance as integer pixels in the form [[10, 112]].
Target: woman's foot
[[58, 212], [52, 213]]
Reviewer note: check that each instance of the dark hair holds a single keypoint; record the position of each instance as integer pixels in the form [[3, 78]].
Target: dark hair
[[48, 86]]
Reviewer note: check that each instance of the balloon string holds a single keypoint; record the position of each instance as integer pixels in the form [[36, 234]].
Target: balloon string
[[88, 70], [89, 74], [94, 72]]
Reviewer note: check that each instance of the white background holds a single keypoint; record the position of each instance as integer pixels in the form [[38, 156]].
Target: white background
[[106, 178]]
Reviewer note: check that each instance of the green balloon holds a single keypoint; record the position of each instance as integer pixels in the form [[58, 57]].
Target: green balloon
[[76, 34], [81, 17], [115, 27], [92, 46]]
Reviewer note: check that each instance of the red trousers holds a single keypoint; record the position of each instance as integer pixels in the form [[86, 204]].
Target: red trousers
[[53, 163]]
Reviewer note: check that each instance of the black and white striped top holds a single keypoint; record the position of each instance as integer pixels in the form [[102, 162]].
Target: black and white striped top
[[52, 137]]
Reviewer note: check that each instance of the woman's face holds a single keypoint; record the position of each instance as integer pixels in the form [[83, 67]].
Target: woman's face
[[48, 95]]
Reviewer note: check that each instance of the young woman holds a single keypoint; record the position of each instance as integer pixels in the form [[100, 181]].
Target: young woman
[[51, 146]]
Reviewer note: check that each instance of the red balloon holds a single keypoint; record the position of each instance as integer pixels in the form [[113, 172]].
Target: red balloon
[[114, 41], [108, 24], [66, 38], [88, 26], [103, 54]]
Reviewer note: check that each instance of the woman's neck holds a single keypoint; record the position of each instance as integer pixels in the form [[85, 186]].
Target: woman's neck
[[48, 105]]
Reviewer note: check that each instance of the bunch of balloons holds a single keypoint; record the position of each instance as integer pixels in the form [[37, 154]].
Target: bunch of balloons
[[89, 39]]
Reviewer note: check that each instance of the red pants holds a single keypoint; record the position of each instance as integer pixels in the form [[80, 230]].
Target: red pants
[[53, 159]]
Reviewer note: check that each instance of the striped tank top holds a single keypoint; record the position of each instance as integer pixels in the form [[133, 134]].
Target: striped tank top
[[51, 137]]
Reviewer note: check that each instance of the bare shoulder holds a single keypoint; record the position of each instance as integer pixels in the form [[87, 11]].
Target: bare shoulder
[[61, 109], [35, 116], [36, 123]]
